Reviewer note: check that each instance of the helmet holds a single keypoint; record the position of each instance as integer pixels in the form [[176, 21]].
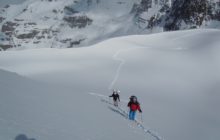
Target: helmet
[[132, 98]]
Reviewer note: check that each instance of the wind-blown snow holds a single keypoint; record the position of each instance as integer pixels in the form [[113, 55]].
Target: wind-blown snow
[[175, 76]]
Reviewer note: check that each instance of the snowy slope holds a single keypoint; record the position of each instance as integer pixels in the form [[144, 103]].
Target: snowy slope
[[175, 76], [48, 113]]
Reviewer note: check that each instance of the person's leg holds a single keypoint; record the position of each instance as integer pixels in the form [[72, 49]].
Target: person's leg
[[133, 115], [116, 103], [130, 115]]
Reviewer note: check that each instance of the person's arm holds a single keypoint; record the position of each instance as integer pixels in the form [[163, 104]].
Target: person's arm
[[118, 98], [129, 104], [139, 109], [111, 95]]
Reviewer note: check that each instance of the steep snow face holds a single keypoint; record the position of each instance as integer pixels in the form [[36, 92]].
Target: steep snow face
[[175, 76]]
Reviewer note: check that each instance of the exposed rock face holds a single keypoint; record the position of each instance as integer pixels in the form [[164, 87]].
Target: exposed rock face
[[9, 26], [181, 14], [69, 10], [214, 10], [78, 21], [143, 6], [154, 11], [74, 43], [30, 23], [191, 12], [217, 16], [65, 40], [32, 34], [74, 23], [18, 19], [1, 19], [5, 47]]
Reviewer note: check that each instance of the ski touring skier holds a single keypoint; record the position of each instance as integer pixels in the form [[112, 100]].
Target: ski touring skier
[[133, 105], [116, 97]]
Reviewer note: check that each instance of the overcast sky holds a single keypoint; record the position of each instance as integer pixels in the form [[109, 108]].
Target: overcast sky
[[4, 2]]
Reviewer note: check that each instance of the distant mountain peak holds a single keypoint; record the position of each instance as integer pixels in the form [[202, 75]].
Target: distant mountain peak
[[67, 23]]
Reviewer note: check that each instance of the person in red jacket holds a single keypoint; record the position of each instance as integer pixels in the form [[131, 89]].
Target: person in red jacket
[[134, 106]]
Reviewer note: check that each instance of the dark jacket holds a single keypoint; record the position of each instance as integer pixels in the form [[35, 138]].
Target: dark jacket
[[115, 96]]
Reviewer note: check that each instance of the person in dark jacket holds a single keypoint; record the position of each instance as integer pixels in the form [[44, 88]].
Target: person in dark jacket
[[133, 105], [116, 97]]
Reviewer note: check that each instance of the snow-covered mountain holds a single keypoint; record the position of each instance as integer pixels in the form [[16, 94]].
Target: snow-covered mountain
[[68, 23], [185, 14], [175, 76]]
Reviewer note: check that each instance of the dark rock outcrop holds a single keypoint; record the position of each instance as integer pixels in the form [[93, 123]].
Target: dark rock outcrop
[[1, 19], [9, 26], [5, 47], [78, 21], [30, 23], [75, 43], [191, 12], [18, 19], [69, 10], [30, 35]]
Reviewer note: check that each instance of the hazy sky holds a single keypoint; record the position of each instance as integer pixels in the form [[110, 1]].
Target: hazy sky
[[4, 2]]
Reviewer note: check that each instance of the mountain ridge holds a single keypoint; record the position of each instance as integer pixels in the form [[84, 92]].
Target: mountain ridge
[[67, 24]]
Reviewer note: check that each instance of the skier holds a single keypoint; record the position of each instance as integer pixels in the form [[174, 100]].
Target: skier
[[116, 97], [134, 106]]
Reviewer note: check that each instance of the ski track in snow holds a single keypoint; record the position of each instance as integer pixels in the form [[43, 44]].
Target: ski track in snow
[[122, 62], [124, 114], [104, 96], [111, 86], [120, 110], [117, 74]]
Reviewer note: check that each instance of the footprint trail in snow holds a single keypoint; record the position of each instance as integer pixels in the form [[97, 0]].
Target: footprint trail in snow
[[119, 109]]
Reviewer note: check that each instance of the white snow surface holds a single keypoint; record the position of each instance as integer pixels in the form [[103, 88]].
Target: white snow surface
[[175, 76]]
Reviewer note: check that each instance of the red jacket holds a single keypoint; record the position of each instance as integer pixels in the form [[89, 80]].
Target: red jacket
[[134, 106]]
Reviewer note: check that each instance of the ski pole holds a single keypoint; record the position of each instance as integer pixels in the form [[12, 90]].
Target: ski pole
[[141, 118], [128, 113]]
